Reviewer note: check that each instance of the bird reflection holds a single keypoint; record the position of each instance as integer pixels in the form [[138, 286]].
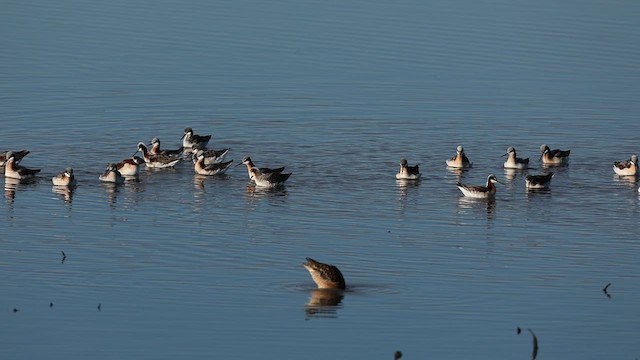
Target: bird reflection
[[112, 190], [404, 186], [254, 191], [324, 303], [511, 174], [467, 203], [12, 185], [627, 180], [65, 192]]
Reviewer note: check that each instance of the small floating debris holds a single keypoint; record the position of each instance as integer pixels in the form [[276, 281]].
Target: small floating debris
[[535, 342], [397, 355], [605, 290], [15, 310], [64, 257], [50, 304], [99, 307]]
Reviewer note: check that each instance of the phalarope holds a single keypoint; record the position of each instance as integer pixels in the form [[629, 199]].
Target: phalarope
[[408, 172], [189, 139], [156, 161], [628, 167], [271, 180], [460, 160], [210, 156], [514, 162], [553, 157], [538, 181], [64, 178], [478, 191], [15, 171], [17, 156], [112, 175], [213, 169], [324, 275], [250, 165], [130, 166], [155, 149]]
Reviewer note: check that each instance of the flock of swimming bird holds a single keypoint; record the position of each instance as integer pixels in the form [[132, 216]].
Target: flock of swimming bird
[[205, 162], [548, 157]]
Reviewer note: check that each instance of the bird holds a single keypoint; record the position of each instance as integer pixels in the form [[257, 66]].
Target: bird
[[189, 139], [460, 160], [156, 161], [538, 181], [408, 172], [250, 165], [131, 166], [478, 191], [155, 149], [210, 156], [112, 175], [397, 355], [17, 155], [212, 169], [270, 180], [553, 157], [514, 162], [324, 275], [65, 178], [15, 171], [628, 167]]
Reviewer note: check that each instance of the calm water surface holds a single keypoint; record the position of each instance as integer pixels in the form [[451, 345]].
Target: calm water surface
[[338, 91]]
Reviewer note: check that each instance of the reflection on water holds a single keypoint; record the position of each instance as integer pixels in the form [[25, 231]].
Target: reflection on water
[[466, 204], [511, 174], [65, 192], [324, 303], [11, 186], [626, 180], [254, 191], [111, 189]]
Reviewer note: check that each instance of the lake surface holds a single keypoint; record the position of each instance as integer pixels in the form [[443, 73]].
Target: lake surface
[[177, 266]]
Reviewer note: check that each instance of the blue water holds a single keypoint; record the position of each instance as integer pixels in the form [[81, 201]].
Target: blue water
[[337, 91]]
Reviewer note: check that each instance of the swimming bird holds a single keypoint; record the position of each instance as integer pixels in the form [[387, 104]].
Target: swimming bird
[[270, 180], [157, 161], [212, 169], [397, 355], [189, 139], [408, 172], [17, 156], [514, 162], [155, 149], [478, 191], [538, 181], [553, 157], [210, 156], [15, 171], [628, 167], [112, 175], [250, 165], [64, 178], [324, 275], [460, 160], [130, 166]]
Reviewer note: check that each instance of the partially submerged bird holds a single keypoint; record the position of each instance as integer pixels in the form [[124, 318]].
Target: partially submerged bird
[[17, 156], [65, 178], [270, 180], [157, 161], [212, 169], [460, 160], [324, 275], [15, 171], [627, 167], [189, 139], [514, 162], [553, 157], [130, 166], [155, 149], [538, 181], [479, 191], [264, 170], [408, 172], [210, 156], [112, 175]]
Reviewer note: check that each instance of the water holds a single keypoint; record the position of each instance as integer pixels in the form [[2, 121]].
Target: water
[[185, 267]]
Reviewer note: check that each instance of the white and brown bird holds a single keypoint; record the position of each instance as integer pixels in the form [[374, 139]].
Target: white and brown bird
[[213, 169], [17, 156], [131, 166], [211, 156], [65, 178], [408, 172], [263, 170], [324, 275], [460, 160], [553, 157], [15, 171], [538, 181], [189, 139], [112, 175], [479, 191], [157, 161], [627, 167], [268, 180], [514, 162], [155, 149]]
